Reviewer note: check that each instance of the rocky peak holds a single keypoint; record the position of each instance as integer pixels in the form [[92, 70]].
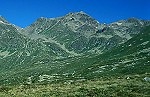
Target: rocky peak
[[41, 19], [80, 16], [81, 22], [131, 22], [133, 19], [3, 20], [77, 13]]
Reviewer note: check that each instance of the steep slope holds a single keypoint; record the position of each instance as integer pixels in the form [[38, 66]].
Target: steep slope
[[79, 33], [70, 31], [18, 52], [132, 57], [129, 58], [62, 48], [65, 52]]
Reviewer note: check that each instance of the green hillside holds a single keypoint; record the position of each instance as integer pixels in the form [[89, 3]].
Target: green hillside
[[75, 56], [120, 72]]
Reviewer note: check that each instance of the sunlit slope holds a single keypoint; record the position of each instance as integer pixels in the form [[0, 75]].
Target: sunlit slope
[[131, 57]]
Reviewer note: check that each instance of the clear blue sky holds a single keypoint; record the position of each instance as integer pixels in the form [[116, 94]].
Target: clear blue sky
[[24, 12]]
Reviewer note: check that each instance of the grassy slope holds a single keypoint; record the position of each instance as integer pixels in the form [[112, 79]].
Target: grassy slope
[[117, 73], [129, 58]]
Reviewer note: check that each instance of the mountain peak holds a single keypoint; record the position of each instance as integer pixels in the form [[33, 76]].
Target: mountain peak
[[82, 12], [132, 19], [77, 13], [41, 19], [137, 21], [3, 20]]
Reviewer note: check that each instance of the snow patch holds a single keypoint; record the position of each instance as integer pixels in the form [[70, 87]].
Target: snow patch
[[119, 24], [4, 23]]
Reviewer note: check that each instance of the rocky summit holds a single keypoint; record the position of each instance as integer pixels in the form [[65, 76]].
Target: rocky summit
[[75, 49]]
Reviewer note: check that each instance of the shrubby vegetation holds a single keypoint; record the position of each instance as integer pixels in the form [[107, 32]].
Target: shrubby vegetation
[[125, 86]]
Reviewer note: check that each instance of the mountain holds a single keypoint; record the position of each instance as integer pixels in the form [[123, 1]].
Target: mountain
[[79, 33], [132, 57], [2, 20], [18, 51], [74, 48]]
